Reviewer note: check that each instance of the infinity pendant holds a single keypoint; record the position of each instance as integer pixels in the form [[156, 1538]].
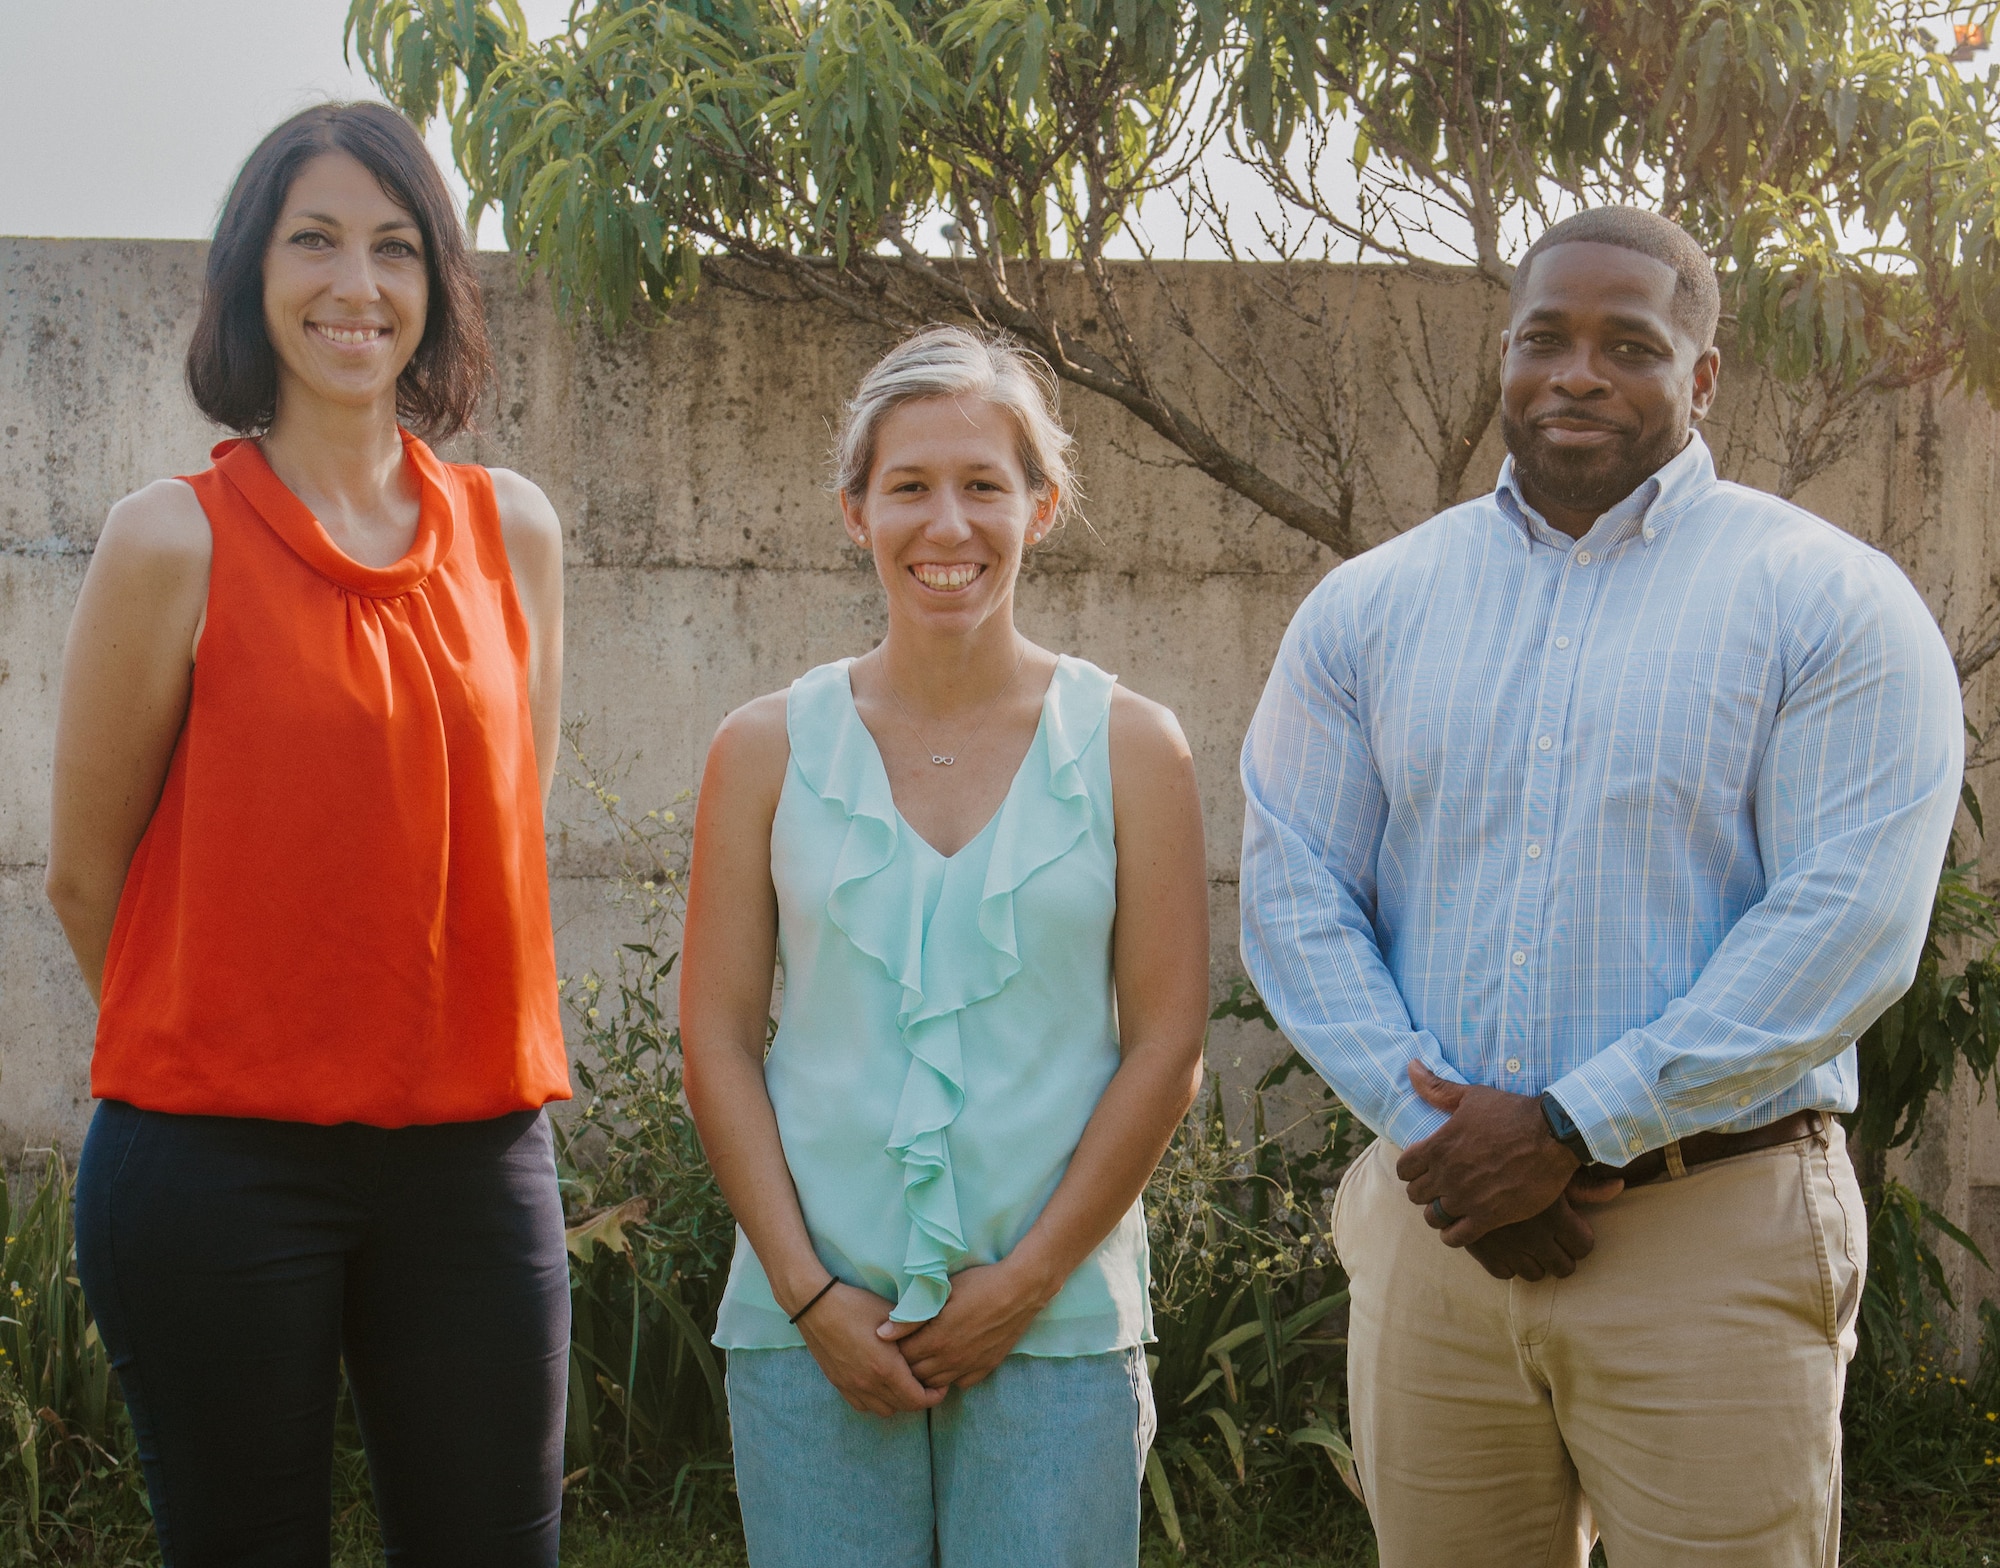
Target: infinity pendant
[[944, 762]]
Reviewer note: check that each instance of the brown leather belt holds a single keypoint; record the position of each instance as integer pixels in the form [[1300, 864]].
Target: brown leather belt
[[1704, 1148]]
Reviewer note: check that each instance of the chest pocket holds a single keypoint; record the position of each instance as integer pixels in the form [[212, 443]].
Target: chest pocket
[[1687, 732]]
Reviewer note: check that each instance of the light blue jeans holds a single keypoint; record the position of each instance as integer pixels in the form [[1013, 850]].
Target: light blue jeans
[[1037, 1467]]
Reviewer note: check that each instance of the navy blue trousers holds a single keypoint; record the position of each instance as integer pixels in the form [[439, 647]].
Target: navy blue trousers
[[232, 1265]]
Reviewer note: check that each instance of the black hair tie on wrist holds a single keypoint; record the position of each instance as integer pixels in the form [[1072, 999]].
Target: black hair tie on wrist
[[835, 1280]]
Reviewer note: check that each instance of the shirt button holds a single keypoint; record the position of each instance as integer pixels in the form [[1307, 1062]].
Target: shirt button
[[1636, 1145], [1543, 743], [1520, 957], [1743, 1099], [1583, 558], [1562, 642], [1513, 1064], [1534, 852]]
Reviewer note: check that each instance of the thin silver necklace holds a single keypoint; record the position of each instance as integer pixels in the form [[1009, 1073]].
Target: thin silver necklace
[[946, 759]]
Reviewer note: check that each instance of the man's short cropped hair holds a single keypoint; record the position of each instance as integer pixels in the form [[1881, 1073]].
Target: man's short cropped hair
[[1697, 296]]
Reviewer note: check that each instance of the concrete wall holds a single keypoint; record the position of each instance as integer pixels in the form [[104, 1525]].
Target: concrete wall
[[706, 563]]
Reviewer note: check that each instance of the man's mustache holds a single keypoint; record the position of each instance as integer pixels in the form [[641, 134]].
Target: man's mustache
[[1581, 416]]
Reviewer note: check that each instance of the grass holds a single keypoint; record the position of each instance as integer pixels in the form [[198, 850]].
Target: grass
[[1880, 1533], [1892, 1534], [1933, 1533]]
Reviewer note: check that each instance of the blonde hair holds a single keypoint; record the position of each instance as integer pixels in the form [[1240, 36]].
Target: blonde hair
[[953, 362]]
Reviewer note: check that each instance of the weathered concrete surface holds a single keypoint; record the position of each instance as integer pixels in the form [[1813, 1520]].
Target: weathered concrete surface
[[706, 563]]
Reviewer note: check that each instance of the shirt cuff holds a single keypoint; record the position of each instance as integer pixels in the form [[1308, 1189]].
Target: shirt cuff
[[1612, 1104], [1411, 1119]]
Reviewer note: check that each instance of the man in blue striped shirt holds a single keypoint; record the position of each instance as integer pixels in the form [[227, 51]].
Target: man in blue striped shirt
[[1588, 825]]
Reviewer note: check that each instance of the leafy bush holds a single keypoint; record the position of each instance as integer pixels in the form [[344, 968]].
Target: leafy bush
[[69, 1477], [650, 1237], [1916, 1425], [1249, 1371], [1944, 1020]]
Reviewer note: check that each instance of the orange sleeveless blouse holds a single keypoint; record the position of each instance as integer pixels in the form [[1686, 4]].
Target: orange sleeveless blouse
[[340, 910]]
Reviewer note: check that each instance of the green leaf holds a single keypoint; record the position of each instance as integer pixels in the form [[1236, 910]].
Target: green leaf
[[1163, 1499], [1231, 1437], [1237, 1337], [1335, 1446]]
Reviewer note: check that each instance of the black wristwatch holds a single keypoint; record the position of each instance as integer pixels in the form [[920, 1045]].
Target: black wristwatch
[[1564, 1129]]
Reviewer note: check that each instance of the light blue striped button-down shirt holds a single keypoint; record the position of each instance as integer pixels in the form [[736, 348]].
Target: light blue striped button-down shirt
[[1651, 819]]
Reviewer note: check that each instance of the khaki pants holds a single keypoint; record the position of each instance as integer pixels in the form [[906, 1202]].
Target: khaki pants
[[1679, 1394]]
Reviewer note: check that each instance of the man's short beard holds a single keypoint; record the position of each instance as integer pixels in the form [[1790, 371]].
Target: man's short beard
[[1592, 480]]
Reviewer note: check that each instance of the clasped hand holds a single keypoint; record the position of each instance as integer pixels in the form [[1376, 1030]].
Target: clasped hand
[[883, 1367], [1509, 1191]]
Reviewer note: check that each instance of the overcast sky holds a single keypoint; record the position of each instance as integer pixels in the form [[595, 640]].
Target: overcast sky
[[131, 117]]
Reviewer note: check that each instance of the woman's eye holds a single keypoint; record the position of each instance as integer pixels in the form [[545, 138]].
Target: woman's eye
[[402, 250], [312, 239]]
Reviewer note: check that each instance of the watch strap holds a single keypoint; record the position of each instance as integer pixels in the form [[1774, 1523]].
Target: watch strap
[[1563, 1129]]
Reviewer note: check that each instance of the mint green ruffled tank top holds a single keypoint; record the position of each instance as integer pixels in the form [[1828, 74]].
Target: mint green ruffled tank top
[[948, 1023]]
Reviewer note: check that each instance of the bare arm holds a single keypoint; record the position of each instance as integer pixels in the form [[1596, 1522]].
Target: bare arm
[[728, 954], [533, 536], [128, 666], [1160, 964]]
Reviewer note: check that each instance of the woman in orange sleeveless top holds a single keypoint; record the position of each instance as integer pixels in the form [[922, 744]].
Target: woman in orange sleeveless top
[[308, 721]]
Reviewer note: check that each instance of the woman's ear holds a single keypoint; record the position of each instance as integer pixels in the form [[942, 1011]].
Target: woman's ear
[[855, 523], [1043, 523]]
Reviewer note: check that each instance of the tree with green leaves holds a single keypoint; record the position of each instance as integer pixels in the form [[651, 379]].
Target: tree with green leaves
[[1843, 172]]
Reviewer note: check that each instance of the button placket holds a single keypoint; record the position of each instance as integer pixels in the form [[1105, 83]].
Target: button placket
[[1576, 590]]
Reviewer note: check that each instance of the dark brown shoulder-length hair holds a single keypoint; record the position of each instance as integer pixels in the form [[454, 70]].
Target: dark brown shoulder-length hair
[[231, 368]]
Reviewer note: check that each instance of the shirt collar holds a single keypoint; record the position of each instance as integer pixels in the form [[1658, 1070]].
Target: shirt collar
[[1651, 507]]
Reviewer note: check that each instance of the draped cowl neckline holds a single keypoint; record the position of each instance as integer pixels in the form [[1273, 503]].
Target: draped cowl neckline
[[243, 464]]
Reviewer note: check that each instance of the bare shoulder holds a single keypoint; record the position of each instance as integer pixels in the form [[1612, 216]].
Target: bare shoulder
[[161, 528], [1145, 735], [748, 757], [526, 515], [1152, 771]]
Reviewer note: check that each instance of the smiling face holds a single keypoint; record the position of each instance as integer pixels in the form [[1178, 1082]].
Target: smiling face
[[1598, 384], [948, 511], [345, 286]]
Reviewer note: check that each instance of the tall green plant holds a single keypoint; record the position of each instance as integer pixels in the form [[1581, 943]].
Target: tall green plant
[[1916, 1421], [1948, 1020], [1249, 1370], [650, 1237], [68, 1472]]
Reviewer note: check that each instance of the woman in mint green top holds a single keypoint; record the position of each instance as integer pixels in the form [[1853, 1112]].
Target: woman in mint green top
[[955, 1125], [979, 865]]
